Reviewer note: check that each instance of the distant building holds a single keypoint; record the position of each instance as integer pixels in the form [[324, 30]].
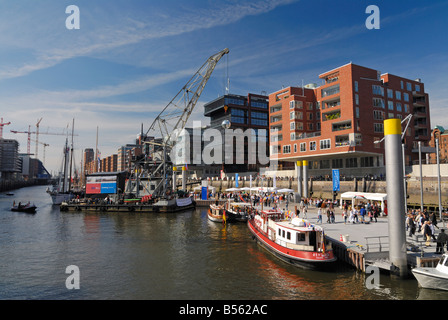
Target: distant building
[[442, 135], [10, 164]]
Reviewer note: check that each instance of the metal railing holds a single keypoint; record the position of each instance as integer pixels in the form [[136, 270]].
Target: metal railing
[[379, 245]]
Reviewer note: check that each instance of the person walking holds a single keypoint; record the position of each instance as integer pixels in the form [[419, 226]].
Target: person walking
[[426, 230], [319, 215], [344, 214], [442, 240], [411, 225]]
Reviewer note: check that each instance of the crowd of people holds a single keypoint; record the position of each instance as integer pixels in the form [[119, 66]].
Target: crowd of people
[[424, 223]]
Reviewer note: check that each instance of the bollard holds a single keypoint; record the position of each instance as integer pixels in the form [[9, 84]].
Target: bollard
[[395, 196]]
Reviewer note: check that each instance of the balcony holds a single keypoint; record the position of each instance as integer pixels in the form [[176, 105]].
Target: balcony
[[418, 94], [276, 119], [332, 115], [343, 125], [330, 91]]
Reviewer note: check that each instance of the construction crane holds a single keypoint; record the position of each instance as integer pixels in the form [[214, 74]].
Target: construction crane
[[2, 124], [37, 137], [45, 146], [168, 125], [29, 133]]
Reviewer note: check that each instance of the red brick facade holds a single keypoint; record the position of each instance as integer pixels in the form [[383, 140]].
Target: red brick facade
[[337, 122]]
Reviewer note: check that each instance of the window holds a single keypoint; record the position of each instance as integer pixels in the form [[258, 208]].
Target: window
[[336, 163], [398, 95], [295, 104], [325, 144], [292, 136], [417, 87], [295, 147], [312, 145], [406, 97], [378, 90], [292, 125], [356, 86], [402, 84], [300, 237], [377, 102], [351, 162], [309, 105], [378, 127], [310, 126], [287, 149], [398, 106], [310, 116], [357, 99], [288, 235], [259, 104], [390, 105], [367, 162], [357, 112], [390, 93], [406, 108], [324, 164], [302, 146], [408, 86], [378, 115], [299, 125]]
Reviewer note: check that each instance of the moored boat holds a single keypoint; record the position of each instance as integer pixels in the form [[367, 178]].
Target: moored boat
[[27, 208], [295, 241], [433, 278], [218, 213], [238, 210]]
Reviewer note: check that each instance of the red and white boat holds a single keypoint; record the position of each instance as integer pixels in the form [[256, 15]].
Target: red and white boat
[[295, 241]]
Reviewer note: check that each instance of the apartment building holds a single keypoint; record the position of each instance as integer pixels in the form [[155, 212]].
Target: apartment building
[[339, 124]]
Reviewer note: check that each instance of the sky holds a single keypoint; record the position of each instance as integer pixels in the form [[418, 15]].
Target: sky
[[129, 58]]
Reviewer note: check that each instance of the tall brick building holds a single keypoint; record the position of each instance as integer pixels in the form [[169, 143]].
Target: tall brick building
[[336, 124]]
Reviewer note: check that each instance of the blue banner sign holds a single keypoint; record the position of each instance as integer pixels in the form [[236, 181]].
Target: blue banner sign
[[336, 184]]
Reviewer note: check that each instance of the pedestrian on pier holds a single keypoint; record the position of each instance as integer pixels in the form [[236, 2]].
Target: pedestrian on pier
[[442, 240], [344, 214], [319, 215], [411, 225], [427, 233]]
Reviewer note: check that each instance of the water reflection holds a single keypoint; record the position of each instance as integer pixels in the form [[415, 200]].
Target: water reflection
[[160, 256]]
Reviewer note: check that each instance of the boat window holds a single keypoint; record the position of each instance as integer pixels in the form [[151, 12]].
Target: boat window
[[300, 237], [288, 235], [283, 233]]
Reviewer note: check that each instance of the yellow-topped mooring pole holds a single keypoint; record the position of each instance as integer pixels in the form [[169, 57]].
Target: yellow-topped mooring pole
[[299, 180], [395, 196]]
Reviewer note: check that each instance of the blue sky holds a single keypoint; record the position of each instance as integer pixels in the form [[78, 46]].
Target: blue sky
[[130, 58]]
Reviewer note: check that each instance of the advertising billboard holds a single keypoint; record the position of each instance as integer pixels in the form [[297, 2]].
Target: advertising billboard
[[101, 184]]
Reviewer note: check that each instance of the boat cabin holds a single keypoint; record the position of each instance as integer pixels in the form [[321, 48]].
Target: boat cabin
[[295, 234]]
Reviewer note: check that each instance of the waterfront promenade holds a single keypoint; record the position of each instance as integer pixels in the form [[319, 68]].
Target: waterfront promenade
[[363, 244], [371, 240]]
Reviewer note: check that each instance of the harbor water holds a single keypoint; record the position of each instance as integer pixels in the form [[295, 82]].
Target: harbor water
[[179, 256]]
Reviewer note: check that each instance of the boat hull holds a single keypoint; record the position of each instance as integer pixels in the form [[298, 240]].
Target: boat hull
[[430, 278], [303, 259], [144, 208], [59, 198], [30, 209]]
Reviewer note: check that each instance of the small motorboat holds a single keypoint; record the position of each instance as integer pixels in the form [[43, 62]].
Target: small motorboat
[[433, 278], [28, 208]]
